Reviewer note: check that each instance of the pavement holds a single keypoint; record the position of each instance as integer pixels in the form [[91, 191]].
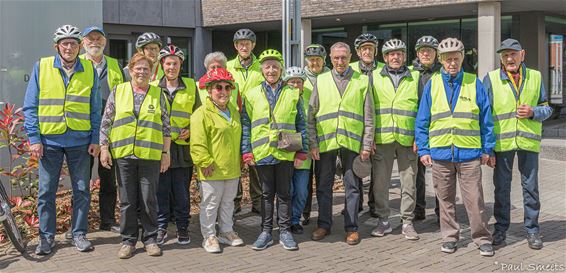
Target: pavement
[[391, 253]]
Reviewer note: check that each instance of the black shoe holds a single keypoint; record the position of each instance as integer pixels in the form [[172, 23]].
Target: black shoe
[[498, 238], [297, 229], [486, 250], [306, 220], [161, 236], [373, 214], [449, 247], [535, 242], [420, 215], [256, 211], [110, 227]]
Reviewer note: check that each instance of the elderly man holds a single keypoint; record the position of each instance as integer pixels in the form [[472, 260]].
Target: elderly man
[[340, 123], [454, 134], [366, 48], [110, 74], [395, 92], [62, 110], [519, 105], [426, 64], [245, 68]]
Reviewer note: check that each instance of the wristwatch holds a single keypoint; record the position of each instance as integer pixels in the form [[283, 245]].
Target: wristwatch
[[165, 152]]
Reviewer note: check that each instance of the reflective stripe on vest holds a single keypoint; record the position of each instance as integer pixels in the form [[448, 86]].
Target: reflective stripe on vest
[[61, 107], [181, 109], [395, 110], [460, 128], [141, 136], [511, 132], [340, 119], [264, 131]]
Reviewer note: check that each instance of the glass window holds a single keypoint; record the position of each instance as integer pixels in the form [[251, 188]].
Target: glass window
[[506, 27], [328, 36], [119, 50], [386, 32], [184, 43], [556, 69], [469, 36]]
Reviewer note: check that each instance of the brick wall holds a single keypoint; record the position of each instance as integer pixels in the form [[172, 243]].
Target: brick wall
[[226, 12]]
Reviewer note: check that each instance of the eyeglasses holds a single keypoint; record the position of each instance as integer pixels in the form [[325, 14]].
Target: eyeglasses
[[72, 44], [226, 87]]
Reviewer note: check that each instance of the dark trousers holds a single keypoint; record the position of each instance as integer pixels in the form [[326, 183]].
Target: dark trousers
[[276, 180], [174, 184], [502, 178], [421, 190], [324, 170], [137, 181], [308, 203], [254, 190], [107, 193]]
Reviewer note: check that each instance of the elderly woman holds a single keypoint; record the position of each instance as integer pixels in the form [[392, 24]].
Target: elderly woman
[[173, 188], [215, 149], [135, 138], [269, 109], [216, 60]]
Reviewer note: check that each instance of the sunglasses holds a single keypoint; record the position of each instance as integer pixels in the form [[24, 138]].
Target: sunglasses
[[226, 87]]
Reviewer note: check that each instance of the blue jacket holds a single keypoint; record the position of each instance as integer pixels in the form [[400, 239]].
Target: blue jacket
[[300, 123], [449, 153], [540, 112], [70, 138]]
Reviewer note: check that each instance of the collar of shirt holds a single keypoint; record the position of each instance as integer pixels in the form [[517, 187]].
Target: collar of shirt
[[403, 71], [517, 76], [446, 77], [238, 64], [163, 85], [343, 75], [268, 88], [77, 67], [365, 67]]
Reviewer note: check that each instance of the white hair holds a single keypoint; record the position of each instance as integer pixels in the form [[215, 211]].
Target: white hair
[[340, 45], [216, 56]]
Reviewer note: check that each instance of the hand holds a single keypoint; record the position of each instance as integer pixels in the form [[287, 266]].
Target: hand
[[298, 162], [94, 150], [364, 155], [484, 159], [426, 160], [105, 158], [248, 159], [524, 111], [315, 153], [491, 161], [373, 148], [184, 134], [208, 170], [37, 150], [415, 148], [165, 162]]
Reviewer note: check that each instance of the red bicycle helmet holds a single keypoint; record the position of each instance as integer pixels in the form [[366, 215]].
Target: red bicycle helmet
[[215, 75]]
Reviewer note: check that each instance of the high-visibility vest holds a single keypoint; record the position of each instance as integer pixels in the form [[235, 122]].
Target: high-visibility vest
[[140, 135], [514, 133], [356, 66], [180, 109], [113, 72], [340, 118], [246, 79], [63, 107], [307, 92], [460, 128], [264, 132], [395, 110]]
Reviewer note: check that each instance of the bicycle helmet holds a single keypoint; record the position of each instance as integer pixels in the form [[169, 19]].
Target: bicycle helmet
[[271, 54], [365, 38], [426, 41], [171, 50], [244, 34], [294, 72], [67, 31], [315, 50], [393, 44], [216, 75], [450, 45], [148, 38]]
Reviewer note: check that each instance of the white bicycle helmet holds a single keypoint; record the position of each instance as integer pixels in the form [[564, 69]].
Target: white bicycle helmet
[[67, 31], [426, 41], [171, 50], [244, 34], [450, 45], [294, 72], [148, 38], [392, 45]]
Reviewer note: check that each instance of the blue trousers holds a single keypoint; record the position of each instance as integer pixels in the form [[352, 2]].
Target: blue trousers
[[299, 192]]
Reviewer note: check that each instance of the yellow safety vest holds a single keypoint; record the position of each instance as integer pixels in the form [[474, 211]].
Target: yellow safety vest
[[514, 133], [113, 72], [246, 79], [140, 135], [356, 66], [307, 92], [461, 127], [63, 107], [340, 118], [264, 132], [395, 111]]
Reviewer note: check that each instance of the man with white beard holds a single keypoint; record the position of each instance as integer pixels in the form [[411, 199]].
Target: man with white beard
[[110, 74]]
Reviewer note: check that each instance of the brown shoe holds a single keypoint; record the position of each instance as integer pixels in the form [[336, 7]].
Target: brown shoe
[[352, 238], [126, 252], [153, 250], [319, 234]]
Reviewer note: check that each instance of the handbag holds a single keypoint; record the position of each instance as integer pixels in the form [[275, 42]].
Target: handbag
[[287, 141]]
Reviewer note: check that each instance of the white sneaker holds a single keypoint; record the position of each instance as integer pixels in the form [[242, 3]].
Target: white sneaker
[[211, 244], [230, 238]]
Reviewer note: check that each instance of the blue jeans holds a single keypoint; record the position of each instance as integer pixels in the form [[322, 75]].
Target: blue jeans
[[299, 192], [50, 165], [174, 183], [502, 176]]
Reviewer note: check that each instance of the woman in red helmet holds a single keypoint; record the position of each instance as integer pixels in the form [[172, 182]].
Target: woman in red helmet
[[215, 150]]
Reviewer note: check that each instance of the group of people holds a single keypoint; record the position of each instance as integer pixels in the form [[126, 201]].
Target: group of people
[[149, 127]]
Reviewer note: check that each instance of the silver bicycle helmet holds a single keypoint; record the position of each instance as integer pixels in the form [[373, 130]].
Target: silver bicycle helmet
[[450, 45], [67, 31], [426, 41], [365, 38], [171, 50], [148, 38], [294, 72], [244, 34], [392, 45]]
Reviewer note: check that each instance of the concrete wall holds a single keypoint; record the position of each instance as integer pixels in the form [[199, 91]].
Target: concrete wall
[[166, 13]]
